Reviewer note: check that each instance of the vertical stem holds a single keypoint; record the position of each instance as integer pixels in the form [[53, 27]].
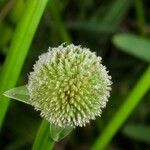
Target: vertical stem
[[124, 111]]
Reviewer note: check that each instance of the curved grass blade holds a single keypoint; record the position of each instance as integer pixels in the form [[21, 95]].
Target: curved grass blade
[[19, 93]]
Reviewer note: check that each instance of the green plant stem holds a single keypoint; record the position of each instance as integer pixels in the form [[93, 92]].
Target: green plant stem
[[124, 111], [18, 50], [139, 10], [63, 33], [43, 140]]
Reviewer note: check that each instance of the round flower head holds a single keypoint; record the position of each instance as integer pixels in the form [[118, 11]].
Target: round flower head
[[69, 85]]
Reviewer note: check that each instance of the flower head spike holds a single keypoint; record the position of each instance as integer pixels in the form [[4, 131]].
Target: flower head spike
[[69, 85]]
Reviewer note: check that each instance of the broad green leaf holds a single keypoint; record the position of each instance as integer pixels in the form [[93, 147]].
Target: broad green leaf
[[58, 133], [134, 45], [137, 132], [19, 93]]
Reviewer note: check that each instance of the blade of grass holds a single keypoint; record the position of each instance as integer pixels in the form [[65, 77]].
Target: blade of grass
[[124, 111], [63, 33], [18, 50]]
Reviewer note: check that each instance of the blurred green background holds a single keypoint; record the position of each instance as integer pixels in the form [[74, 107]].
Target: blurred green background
[[117, 30]]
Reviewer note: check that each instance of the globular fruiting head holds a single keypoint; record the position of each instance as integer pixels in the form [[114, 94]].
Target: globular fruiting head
[[69, 85]]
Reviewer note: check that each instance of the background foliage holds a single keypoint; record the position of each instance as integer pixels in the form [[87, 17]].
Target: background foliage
[[117, 30]]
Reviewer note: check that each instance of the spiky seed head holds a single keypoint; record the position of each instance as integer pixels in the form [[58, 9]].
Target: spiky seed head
[[69, 85]]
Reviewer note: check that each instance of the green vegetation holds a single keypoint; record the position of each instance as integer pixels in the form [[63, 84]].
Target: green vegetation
[[117, 30]]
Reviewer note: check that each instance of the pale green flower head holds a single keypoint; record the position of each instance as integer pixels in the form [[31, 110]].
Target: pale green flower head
[[69, 85]]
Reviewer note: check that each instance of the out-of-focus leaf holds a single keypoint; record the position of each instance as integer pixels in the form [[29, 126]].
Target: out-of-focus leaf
[[58, 133], [134, 45], [137, 132], [1, 2], [20, 93], [93, 27]]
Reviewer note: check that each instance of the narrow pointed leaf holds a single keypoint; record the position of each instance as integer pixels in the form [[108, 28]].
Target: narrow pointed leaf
[[58, 133], [19, 93]]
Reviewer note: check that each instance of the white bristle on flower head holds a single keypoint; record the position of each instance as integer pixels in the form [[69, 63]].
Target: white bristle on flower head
[[69, 85]]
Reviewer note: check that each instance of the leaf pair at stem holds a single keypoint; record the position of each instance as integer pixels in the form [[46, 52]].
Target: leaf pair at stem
[[21, 94]]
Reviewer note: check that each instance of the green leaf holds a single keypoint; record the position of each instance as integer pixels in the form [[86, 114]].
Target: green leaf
[[137, 132], [58, 133], [20, 93], [134, 45]]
